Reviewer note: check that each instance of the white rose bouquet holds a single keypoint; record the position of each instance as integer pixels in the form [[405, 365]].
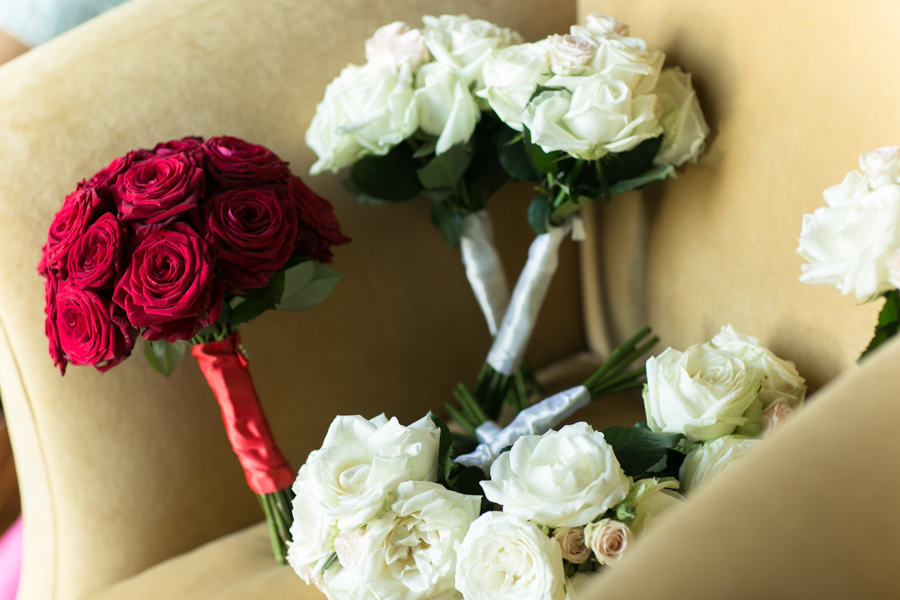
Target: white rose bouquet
[[854, 242], [409, 123], [591, 114], [712, 403]]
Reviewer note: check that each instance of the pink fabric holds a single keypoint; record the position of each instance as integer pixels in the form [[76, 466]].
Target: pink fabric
[[10, 561]]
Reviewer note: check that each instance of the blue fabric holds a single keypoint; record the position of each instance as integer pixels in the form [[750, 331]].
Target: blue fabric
[[33, 22]]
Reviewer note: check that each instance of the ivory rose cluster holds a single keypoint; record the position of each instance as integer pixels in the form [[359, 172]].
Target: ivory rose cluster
[[722, 396], [150, 244], [600, 92], [414, 79], [370, 521]]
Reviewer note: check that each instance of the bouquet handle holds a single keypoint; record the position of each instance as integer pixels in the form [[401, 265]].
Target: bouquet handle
[[268, 473]]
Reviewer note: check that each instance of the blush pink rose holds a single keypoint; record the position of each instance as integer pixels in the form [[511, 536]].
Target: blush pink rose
[[159, 190], [572, 543], [92, 330], [609, 540], [96, 259], [170, 286], [253, 230], [233, 162]]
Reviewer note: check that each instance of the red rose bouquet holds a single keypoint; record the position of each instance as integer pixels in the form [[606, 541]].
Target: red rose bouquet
[[181, 244]]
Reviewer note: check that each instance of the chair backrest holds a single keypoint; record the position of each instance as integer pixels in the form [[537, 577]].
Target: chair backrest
[[793, 92], [122, 470]]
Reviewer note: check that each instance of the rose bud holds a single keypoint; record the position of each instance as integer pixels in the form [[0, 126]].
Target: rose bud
[[346, 546], [570, 54], [881, 165], [396, 45], [608, 539], [79, 210], [775, 415], [92, 330], [605, 25], [187, 144], [234, 162], [253, 231], [156, 192], [317, 227], [571, 541], [170, 285], [96, 259], [50, 328]]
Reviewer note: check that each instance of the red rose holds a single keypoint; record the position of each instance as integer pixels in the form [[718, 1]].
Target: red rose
[[253, 230], [187, 144], [317, 228], [234, 162], [92, 330], [108, 175], [157, 191], [56, 352], [170, 286], [79, 210], [96, 259]]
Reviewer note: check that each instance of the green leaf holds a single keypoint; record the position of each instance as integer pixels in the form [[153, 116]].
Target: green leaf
[[545, 162], [620, 166], [299, 295], [445, 170], [467, 480], [448, 222], [539, 214], [626, 185], [163, 356], [276, 285], [888, 322], [391, 177], [426, 148], [514, 157], [296, 278], [246, 309], [638, 449], [445, 448]]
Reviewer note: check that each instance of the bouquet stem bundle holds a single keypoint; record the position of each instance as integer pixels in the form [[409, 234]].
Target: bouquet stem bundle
[[268, 473]]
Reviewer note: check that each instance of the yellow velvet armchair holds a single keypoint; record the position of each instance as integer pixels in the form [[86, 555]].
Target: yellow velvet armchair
[[129, 487]]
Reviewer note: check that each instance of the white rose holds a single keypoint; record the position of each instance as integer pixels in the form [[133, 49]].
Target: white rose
[[774, 417], [707, 461], [312, 533], [599, 117], [650, 498], [586, 477], [609, 540], [882, 166], [507, 558], [702, 392], [848, 245], [346, 546], [780, 378], [572, 543], [410, 552], [854, 186], [605, 25], [463, 44], [361, 463], [510, 77], [366, 110], [626, 59], [447, 108], [570, 54], [684, 127], [396, 45]]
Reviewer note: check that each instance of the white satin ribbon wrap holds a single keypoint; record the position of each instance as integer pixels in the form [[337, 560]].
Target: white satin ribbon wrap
[[535, 420], [483, 267], [531, 289]]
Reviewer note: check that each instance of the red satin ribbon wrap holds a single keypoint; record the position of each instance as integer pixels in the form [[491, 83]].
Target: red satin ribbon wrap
[[225, 369]]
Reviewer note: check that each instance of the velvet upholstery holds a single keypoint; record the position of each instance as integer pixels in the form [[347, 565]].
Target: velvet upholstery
[[129, 487]]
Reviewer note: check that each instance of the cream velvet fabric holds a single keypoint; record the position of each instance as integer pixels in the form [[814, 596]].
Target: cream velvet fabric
[[123, 470]]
